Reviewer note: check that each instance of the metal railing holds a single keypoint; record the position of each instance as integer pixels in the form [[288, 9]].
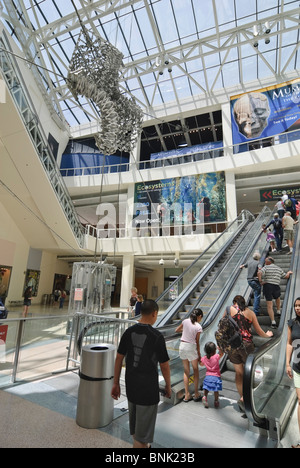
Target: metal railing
[[38, 347], [32, 348], [18, 91], [182, 159], [89, 328], [155, 230]]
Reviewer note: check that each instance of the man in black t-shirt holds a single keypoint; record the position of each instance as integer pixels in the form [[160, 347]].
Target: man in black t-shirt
[[144, 347]]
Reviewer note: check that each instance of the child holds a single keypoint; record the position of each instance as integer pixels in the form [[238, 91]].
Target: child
[[271, 239], [212, 381], [138, 305]]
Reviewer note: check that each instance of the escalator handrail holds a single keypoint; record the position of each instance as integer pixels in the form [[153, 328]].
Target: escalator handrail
[[249, 370], [244, 213]]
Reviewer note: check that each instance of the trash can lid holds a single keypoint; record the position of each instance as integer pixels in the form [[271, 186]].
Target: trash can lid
[[99, 347]]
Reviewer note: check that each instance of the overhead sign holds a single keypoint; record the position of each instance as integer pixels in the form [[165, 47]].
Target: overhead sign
[[274, 194]]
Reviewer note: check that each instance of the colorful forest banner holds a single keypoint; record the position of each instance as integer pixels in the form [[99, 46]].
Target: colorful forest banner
[[180, 198]]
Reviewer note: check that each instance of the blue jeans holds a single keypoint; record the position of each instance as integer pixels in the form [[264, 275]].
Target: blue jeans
[[279, 239], [255, 285]]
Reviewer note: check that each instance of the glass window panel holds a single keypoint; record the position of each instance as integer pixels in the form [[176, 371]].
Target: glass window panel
[[184, 18], [166, 22], [147, 32], [249, 67], [285, 58], [204, 21], [212, 60], [226, 11], [231, 74], [211, 76], [263, 5], [182, 86], [200, 79], [245, 8], [167, 91]]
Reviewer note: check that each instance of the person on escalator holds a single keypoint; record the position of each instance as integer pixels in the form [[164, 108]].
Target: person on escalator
[[254, 266], [189, 351], [245, 318], [270, 276], [212, 381], [277, 230], [293, 345]]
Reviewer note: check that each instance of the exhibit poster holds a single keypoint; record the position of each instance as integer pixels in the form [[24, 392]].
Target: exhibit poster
[[178, 201], [266, 112]]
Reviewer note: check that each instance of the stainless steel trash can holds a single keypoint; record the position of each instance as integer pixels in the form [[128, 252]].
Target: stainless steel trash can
[[95, 406]]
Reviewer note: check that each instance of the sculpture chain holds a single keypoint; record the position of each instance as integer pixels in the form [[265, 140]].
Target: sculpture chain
[[94, 73]]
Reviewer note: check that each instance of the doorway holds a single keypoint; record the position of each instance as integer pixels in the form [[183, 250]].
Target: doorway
[[142, 286]]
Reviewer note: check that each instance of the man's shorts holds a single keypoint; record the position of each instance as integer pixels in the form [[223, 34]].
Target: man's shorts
[[142, 421], [289, 234], [271, 291]]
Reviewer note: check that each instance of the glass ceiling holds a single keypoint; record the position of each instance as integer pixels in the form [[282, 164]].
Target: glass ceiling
[[208, 44]]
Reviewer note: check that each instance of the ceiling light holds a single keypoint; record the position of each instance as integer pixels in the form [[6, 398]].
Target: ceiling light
[[255, 44], [267, 26], [255, 30], [267, 41], [182, 144]]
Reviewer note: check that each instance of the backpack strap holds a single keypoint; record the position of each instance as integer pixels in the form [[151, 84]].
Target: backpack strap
[[231, 319]]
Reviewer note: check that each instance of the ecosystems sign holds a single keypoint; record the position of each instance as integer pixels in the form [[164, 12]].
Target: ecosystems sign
[[266, 112], [182, 201]]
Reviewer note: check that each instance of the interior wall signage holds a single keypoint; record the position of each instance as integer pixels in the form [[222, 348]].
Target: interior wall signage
[[177, 201], [275, 193], [266, 112]]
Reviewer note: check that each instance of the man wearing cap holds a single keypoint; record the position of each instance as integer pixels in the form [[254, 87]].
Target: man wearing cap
[[270, 276]]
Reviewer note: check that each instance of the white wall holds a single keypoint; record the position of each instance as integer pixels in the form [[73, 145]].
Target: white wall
[[14, 252]]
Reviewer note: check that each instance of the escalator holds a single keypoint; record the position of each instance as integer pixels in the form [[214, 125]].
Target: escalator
[[201, 283], [269, 395], [270, 399]]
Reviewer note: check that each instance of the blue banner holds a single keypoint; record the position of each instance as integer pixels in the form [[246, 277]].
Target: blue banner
[[214, 145], [266, 112]]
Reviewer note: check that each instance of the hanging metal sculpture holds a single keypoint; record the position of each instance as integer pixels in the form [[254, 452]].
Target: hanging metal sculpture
[[94, 73]]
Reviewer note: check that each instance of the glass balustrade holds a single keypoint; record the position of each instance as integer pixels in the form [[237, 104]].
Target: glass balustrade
[[32, 348]]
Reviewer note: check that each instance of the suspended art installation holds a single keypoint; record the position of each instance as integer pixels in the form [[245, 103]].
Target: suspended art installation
[[94, 73]]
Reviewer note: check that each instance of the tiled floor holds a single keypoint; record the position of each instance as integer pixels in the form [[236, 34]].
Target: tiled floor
[[42, 414]]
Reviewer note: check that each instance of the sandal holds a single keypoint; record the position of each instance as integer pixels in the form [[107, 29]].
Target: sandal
[[199, 398], [186, 401]]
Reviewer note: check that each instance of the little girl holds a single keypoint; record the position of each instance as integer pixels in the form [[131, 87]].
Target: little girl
[[212, 381], [271, 239]]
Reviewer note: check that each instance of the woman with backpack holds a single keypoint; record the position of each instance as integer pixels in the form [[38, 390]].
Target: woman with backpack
[[293, 345], [245, 319]]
